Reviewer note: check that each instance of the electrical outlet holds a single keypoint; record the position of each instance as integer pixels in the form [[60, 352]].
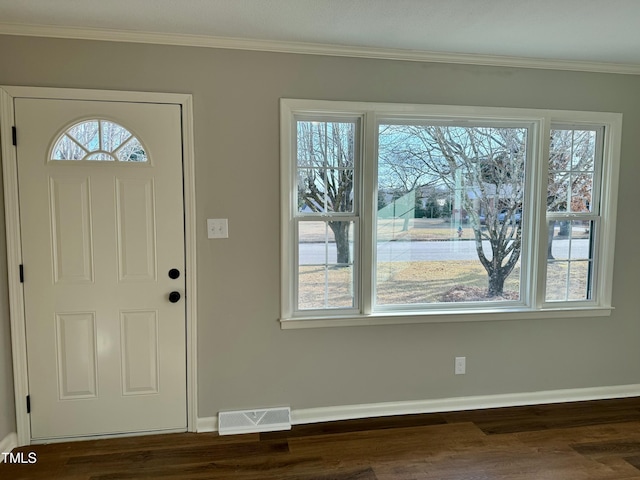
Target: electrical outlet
[[217, 228], [461, 365]]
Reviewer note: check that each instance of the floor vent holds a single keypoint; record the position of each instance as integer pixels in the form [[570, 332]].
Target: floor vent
[[254, 421]]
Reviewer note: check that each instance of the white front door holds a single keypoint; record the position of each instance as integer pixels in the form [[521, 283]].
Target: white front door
[[101, 210]]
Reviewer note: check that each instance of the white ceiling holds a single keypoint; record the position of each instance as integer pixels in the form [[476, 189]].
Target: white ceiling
[[575, 30]]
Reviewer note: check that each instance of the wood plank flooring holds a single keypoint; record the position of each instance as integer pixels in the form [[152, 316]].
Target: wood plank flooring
[[573, 441]]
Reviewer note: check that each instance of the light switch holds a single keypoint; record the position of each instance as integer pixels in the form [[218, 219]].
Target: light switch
[[217, 228]]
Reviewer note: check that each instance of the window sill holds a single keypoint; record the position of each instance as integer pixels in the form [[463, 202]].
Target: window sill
[[403, 318]]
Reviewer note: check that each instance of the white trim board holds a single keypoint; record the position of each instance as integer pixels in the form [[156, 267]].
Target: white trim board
[[442, 405], [14, 253], [205, 41], [7, 444]]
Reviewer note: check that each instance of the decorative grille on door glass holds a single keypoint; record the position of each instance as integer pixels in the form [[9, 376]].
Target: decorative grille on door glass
[[98, 140]]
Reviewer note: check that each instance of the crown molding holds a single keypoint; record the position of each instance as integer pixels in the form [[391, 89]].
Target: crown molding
[[205, 41]]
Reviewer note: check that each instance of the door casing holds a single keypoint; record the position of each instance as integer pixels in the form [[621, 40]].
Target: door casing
[[14, 251]]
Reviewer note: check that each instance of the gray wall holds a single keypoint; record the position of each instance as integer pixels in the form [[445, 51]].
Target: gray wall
[[245, 360]]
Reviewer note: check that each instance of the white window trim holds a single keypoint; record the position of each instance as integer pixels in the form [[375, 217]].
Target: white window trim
[[597, 217], [535, 308], [353, 216]]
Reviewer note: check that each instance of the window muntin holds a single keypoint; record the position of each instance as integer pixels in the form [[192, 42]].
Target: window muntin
[[570, 262], [325, 218], [573, 212], [325, 281], [572, 164], [533, 302], [469, 248], [98, 140]]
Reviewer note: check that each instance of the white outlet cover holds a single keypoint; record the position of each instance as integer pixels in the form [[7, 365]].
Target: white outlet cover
[[461, 365], [217, 228]]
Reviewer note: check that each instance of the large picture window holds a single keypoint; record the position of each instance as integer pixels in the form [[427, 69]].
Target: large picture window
[[450, 203], [395, 213]]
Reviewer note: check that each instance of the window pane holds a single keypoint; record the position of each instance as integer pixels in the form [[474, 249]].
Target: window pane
[[584, 148], [558, 191], [557, 281], [581, 186], [339, 190], [100, 157], [569, 257], [311, 190], [570, 240], [325, 287], [311, 287], [325, 190], [325, 256], [325, 153], [86, 133], [318, 246], [67, 149], [568, 280], [450, 199], [339, 286], [132, 151], [571, 168], [579, 281], [113, 135]]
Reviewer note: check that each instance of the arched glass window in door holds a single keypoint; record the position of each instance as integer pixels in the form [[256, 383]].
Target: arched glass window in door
[[98, 140]]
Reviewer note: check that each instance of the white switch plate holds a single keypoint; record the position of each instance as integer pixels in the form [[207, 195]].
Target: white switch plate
[[217, 228]]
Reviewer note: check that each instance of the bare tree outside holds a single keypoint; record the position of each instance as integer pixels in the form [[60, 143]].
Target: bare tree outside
[[476, 173], [326, 159], [483, 167], [571, 168]]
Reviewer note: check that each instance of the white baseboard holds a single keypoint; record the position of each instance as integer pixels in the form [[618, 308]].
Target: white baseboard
[[441, 405], [207, 424], [8, 443]]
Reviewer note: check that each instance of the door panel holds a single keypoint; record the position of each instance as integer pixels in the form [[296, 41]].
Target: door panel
[[70, 229], [139, 352], [135, 200], [76, 347], [105, 347]]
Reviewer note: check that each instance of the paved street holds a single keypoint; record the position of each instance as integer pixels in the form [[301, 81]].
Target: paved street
[[401, 251]]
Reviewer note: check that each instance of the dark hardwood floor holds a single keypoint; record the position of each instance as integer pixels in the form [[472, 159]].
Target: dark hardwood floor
[[583, 440]]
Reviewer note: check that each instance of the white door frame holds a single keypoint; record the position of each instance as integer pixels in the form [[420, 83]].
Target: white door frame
[[14, 241]]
